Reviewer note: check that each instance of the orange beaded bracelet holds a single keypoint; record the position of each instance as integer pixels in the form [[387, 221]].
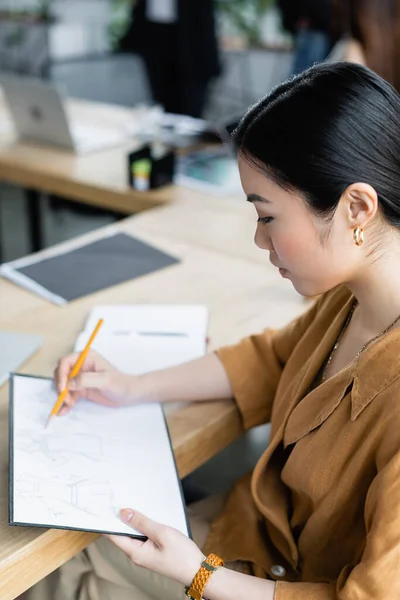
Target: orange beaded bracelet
[[208, 567]]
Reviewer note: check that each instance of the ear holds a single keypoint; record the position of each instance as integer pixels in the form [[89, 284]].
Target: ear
[[360, 202]]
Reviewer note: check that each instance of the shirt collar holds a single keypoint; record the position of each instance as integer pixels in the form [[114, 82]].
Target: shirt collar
[[374, 370]]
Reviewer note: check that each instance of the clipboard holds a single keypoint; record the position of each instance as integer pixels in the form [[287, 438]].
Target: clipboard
[[78, 473]]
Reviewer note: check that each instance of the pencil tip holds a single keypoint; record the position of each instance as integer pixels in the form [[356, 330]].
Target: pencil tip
[[48, 421]]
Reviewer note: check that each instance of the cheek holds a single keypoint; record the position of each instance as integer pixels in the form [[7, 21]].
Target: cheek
[[294, 247]]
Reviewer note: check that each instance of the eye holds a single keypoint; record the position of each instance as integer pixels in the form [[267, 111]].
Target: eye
[[264, 220]]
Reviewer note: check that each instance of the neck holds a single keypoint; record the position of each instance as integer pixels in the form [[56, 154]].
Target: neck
[[377, 290]]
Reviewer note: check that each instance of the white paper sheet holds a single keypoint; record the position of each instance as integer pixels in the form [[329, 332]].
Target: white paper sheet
[[189, 319], [140, 338], [80, 471], [136, 354]]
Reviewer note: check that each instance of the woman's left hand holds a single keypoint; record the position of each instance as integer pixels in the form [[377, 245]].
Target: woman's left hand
[[166, 551]]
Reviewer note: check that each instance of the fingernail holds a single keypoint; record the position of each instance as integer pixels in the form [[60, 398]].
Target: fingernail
[[72, 384], [126, 514]]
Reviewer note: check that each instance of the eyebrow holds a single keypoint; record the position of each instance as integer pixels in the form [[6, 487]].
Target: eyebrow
[[257, 198]]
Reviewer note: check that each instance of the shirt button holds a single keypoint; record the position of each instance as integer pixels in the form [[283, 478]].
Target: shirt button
[[278, 570]]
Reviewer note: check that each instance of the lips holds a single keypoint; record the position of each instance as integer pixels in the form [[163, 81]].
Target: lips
[[273, 264]]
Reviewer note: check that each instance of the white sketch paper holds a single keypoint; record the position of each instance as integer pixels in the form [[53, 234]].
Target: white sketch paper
[[81, 470], [137, 354], [188, 319], [141, 338]]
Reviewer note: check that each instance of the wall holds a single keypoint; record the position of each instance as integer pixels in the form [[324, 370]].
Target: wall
[[82, 26]]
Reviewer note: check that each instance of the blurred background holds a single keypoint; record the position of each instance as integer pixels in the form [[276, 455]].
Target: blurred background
[[200, 58], [88, 46], [69, 40]]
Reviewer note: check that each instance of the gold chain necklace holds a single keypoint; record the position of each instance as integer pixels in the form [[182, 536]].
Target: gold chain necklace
[[346, 324]]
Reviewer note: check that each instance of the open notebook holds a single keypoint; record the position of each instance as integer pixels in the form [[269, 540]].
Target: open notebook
[[84, 467]]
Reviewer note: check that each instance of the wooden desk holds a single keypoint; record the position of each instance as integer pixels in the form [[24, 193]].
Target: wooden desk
[[242, 296], [99, 178], [226, 225], [15, 301]]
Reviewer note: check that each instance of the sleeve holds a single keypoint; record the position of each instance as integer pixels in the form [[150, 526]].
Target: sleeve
[[377, 575], [254, 366]]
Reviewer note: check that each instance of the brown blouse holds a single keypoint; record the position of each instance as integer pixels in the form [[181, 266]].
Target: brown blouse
[[321, 512]]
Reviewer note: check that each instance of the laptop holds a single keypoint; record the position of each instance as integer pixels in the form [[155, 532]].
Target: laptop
[[39, 114]]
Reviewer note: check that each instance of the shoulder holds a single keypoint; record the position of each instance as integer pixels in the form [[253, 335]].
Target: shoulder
[[385, 422], [347, 49], [354, 52]]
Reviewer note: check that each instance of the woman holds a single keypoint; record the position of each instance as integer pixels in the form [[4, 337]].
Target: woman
[[370, 32], [319, 518]]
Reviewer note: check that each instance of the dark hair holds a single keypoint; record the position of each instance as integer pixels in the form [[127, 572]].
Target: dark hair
[[331, 126]]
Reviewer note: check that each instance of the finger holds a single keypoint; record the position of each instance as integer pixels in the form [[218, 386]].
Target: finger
[[66, 365], [128, 545], [69, 401], [142, 524], [85, 381], [64, 410], [63, 370], [68, 405]]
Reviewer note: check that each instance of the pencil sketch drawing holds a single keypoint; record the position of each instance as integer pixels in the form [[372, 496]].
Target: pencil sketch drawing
[[70, 460], [59, 450], [84, 467], [58, 497]]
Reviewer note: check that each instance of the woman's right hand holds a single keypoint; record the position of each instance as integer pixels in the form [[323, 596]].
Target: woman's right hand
[[97, 381]]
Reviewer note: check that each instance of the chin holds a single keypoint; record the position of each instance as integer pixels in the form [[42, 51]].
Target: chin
[[311, 289]]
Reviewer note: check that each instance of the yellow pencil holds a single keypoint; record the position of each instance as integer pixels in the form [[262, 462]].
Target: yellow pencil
[[74, 372]]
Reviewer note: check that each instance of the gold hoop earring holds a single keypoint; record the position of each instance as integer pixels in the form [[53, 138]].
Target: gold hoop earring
[[358, 235]]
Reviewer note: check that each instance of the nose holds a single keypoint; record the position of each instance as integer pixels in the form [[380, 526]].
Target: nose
[[262, 239]]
